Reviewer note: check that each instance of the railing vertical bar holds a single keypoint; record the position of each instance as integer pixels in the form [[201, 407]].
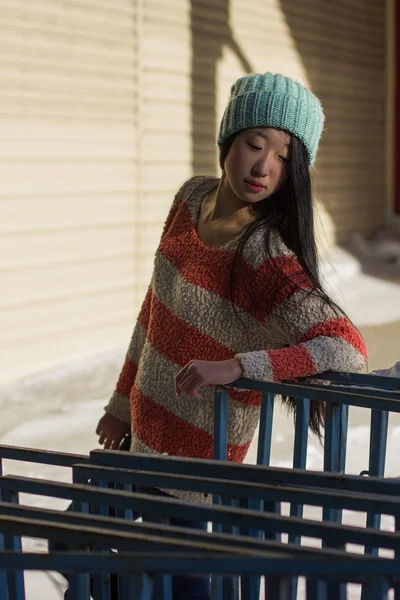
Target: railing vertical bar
[[299, 462], [376, 589], [397, 555], [265, 431], [82, 507], [3, 574], [316, 590], [221, 408], [335, 448], [377, 458], [336, 426], [264, 451], [250, 586], [15, 579], [221, 400], [79, 586], [276, 588], [101, 581], [300, 451]]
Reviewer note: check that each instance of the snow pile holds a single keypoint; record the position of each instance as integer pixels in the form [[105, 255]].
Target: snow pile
[[383, 247], [60, 390]]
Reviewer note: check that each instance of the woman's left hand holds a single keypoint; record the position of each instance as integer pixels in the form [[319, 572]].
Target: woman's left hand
[[198, 373]]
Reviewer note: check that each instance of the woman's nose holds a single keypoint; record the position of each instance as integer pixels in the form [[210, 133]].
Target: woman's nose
[[262, 166]]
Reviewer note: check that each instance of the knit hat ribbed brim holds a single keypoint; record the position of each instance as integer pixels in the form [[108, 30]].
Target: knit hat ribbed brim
[[270, 100]]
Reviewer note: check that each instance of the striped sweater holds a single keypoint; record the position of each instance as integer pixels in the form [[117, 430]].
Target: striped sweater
[[188, 314]]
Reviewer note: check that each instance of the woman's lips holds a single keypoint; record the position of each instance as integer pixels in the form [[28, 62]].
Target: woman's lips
[[253, 186]]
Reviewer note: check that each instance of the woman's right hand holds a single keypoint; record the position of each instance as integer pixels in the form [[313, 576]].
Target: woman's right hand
[[111, 431]]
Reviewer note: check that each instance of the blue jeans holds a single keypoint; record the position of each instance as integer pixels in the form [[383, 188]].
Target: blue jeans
[[183, 588]]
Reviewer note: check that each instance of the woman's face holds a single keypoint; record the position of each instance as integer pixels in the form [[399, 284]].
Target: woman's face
[[257, 163]]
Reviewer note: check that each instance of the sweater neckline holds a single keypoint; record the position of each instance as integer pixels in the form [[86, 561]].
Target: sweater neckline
[[211, 185]]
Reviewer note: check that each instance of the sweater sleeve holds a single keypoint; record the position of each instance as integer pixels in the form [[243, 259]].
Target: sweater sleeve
[[317, 338], [119, 405], [119, 402]]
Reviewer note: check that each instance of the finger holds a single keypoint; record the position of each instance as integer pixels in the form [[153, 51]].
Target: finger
[[193, 390], [102, 436], [114, 444], [187, 382], [107, 443], [182, 388], [183, 372]]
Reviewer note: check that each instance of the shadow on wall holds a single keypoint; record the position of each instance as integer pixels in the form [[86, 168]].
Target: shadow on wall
[[211, 32], [342, 48]]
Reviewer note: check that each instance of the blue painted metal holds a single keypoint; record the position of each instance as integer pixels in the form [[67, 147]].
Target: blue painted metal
[[15, 579], [265, 432], [335, 442], [221, 406], [377, 456], [47, 457], [148, 530], [101, 581], [259, 488], [299, 462], [240, 472], [160, 508], [207, 561], [3, 574], [381, 400], [319, 491], [221, 402], [316, 590], [264, 453], [335, 448], [300, 449]]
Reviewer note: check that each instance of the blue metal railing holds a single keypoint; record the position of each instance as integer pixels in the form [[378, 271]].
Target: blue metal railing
[[80, 530], [339, 391], [247, 498]]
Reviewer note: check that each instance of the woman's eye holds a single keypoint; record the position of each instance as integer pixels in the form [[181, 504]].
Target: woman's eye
[[254, 147], [283, 159]]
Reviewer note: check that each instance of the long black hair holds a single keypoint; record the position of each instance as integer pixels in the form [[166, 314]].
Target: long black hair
[[290, 212]]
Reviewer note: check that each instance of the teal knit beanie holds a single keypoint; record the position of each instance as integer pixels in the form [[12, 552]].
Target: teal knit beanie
[[270, 100]]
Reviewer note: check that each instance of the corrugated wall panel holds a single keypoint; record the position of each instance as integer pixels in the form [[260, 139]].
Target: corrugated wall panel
[[68, 167], [106, 107], [165, 146]]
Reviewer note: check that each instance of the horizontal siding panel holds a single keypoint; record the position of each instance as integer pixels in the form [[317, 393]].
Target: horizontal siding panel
[[59, 315], [51, 214], [125, 7], [34, 109], [40, 173], [33, 249], [70, 281], [68, 164], [68, 23], [90, 52], [87, 84]]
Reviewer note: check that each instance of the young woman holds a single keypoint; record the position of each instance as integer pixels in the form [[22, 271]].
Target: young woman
[[235, 291]]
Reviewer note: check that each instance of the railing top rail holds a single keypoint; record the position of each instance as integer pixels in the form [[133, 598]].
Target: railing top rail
[[48, 457], [363, 398], [124, 540], [157, 529], [357, 379], [245, 472], [161, 562], [349, 500], [164, 507]]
